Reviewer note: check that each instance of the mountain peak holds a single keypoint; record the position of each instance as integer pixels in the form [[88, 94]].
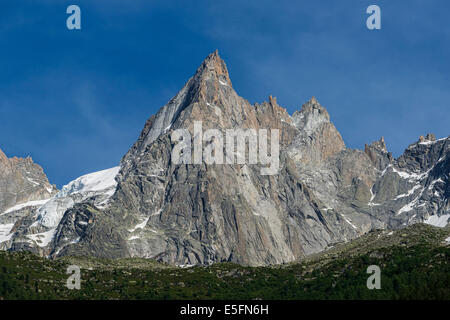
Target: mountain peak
[[272, 100], [312, 106], [313, 100], [214, 67], [429, 137], [379, 145], [313, 103]]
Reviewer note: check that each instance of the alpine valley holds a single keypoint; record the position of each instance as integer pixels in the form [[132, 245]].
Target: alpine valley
[[324, 194]]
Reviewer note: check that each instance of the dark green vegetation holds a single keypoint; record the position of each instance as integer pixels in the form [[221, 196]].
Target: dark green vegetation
[[414, 262]]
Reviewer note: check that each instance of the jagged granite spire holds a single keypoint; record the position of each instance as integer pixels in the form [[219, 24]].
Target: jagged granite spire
[[21, 181], [378, 154], [213, 67], [311, 115], [324, 193], [208, 96], [313, 104]]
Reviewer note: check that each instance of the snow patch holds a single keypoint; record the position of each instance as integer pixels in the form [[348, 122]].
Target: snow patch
[[36, 203], [96, 181], [413, 176], [434, 182], [437, 221], [43, 239], [167, 129], [140, 225], [427, 142], [5, 230], [372, 196], [33, 182], [409, 206], [349, 221], [410, 192], [217, 110], [101, 182]]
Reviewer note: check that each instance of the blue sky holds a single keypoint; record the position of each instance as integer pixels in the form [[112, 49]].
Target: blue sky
[[77, 100]]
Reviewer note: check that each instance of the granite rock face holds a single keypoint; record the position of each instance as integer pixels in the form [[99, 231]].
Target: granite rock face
[[323, 193], [23, 188], [21, 181]]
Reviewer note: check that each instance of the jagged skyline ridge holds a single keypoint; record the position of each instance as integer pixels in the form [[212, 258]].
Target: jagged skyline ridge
[[67, 98]]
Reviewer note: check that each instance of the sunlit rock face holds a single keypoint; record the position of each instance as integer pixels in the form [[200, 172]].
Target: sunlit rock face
[[21, 181]]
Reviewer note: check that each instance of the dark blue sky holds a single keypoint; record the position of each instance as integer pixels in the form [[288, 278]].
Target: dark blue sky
[[77, 100]]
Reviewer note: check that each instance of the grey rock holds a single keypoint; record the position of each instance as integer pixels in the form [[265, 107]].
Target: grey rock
[[378, 154], [186, 214], [21, 181]]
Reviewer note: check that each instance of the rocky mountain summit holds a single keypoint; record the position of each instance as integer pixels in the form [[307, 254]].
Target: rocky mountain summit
[[32, 225], [21, 181], [322, 194], [23, 188]]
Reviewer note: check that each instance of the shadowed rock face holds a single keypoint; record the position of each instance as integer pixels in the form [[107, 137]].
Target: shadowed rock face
[[324, 193], [415, 187]]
